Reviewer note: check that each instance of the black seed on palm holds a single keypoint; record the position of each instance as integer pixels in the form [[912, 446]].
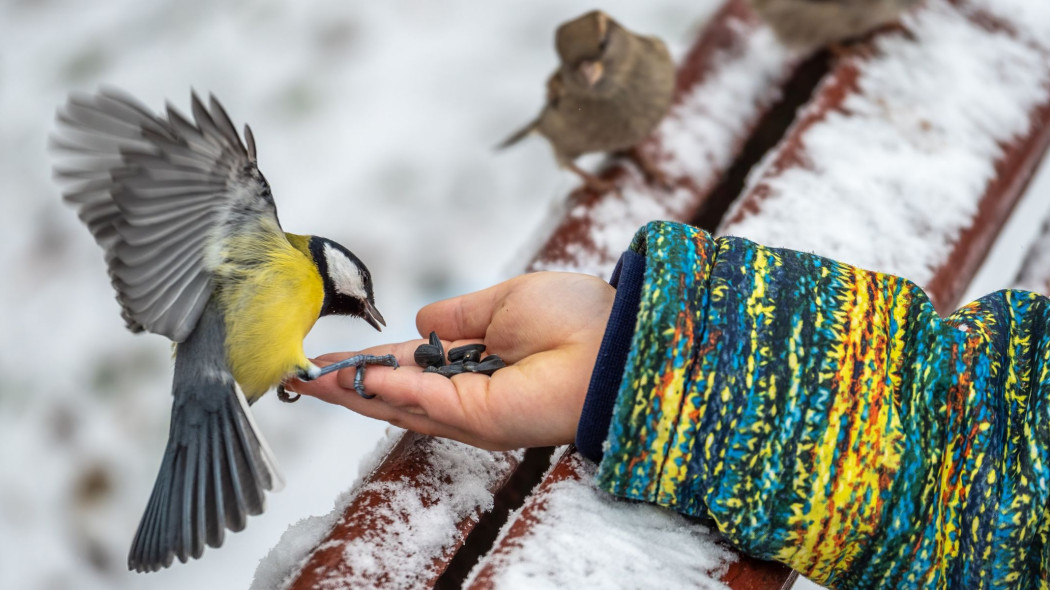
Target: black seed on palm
[[432, 354], [428, 356], [489, 365], [462, 359], [450, 370], [460, 353]]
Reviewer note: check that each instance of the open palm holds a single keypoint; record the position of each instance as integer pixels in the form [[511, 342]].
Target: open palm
[[547, 326]]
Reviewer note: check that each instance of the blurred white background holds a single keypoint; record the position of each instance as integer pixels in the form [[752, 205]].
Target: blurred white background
[[375, 124]]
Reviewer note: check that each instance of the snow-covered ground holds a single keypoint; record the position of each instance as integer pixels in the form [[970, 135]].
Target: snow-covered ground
[[375, 124]]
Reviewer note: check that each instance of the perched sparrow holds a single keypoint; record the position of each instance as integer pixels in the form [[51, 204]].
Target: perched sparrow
[[610, 91], [812, 24]]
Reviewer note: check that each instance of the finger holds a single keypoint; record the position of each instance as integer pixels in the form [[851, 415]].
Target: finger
[[439, 398], [333, 385], [429, 427], [325, 388], [454, 408], [376, 408], [451, 404], [403, 351], [396, 410], [463, 317], [337, 389], [330, 386]]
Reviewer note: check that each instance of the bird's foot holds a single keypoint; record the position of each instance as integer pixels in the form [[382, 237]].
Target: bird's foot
[[302, 375], [652, 171], [864, 43], [359, 361], [897, 27], [600, 186], [282, 394], [593, 183]]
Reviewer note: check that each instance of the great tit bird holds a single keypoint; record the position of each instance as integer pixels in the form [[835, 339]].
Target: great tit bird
[[610, 91], [196, 253]]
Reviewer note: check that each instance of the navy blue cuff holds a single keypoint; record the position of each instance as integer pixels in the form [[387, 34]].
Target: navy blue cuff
[[612, 357]]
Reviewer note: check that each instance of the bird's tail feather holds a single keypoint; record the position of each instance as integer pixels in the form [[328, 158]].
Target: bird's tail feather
[[213, 475], [518, 135]]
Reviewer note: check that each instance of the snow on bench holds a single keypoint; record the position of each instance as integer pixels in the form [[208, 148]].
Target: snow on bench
[[944, 128], [569, 534], [1035, 272], [397, 529], [914, 151], [941, 146]]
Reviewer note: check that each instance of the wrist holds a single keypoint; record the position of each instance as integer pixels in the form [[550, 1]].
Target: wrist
[[593, 426]]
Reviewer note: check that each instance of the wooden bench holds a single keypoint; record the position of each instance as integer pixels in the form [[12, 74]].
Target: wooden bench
[[740, 162]]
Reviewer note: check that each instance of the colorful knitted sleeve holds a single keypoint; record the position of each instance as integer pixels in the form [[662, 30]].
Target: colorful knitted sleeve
[[827, 417]]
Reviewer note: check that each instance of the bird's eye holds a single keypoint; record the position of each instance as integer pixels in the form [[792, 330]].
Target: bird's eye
[[603, 44]]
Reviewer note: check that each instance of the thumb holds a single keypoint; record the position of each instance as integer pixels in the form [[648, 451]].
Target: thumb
[[464, 317]]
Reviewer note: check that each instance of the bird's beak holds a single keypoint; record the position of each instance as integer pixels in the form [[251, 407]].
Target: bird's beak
[[372, 316], [592, 72]]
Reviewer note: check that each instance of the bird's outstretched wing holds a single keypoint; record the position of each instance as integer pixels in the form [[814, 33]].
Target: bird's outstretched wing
[[159, 195]]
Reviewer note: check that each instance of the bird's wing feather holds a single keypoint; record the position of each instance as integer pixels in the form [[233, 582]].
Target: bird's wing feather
[[518, 135], [158, 194], [555, 91]]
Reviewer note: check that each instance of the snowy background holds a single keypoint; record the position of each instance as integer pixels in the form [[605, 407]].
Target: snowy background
[[374, 123]]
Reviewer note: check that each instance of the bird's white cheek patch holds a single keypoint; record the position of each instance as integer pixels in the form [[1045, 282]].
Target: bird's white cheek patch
[[344, 273]]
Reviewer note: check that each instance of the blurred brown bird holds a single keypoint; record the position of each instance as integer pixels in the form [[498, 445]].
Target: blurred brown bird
[[812, 24], [611, 89]]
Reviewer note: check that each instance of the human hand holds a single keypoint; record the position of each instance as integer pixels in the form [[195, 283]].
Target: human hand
[[547, 326]]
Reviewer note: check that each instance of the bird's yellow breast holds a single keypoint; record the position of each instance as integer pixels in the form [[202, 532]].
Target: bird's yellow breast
[[271, 294]]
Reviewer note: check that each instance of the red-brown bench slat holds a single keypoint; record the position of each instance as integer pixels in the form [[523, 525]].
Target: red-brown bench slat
[[380, 528]]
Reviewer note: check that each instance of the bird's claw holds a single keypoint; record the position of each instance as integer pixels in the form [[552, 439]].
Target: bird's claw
[[650, 168], [282, 395], [359, 362], [592, 183]]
